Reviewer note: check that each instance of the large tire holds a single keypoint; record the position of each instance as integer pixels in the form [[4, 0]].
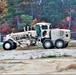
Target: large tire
[[47, 44], [8, 45], [66, 44], [59, 43], [15, 45]]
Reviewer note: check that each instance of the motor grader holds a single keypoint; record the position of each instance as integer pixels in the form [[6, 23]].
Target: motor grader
[[43, 32]]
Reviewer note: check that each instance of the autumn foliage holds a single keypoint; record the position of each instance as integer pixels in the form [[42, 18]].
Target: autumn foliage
[[34, 22], [56, 12], [5, 29], [2, 8]]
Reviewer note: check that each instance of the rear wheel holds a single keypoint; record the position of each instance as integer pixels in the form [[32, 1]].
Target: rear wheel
[[59, 43], [66, 44], [47, 44], [8, 45]]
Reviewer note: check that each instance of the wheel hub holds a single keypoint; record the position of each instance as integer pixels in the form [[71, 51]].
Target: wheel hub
[[7, 45], [59, 44], [47, 44]]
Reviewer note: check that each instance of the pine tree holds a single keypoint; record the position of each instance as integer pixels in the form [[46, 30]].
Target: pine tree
[[13, 11]]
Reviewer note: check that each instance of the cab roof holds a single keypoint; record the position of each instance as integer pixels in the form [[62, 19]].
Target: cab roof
[[43, 23]]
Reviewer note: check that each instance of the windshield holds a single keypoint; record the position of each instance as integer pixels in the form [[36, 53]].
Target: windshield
[[44, 27]]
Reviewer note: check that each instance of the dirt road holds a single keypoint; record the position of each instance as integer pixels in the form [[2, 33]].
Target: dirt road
[[56, 66]]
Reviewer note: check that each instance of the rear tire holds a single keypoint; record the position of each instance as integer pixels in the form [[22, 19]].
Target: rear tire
[[47, 44], [59, 43], [8, 45], [66, 44]]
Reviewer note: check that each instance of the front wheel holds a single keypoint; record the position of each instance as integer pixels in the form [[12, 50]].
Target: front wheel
[[8, 45], [47, 44], [59, 43], [15, 46]]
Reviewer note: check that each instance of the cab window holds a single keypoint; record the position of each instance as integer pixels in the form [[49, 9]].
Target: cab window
[[44, 27]]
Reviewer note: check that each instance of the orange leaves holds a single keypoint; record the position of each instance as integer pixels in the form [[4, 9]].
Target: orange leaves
[[14, 30], [2, 7], [34, 22], [2, 4]]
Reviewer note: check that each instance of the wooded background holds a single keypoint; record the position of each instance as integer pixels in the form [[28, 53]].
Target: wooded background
[[16, 14]]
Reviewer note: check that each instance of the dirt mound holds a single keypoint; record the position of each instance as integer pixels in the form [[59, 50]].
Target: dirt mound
[[71, 66]]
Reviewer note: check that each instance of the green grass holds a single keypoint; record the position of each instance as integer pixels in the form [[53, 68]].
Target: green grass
[[53, 56], [72, 44], [50, 56], [0, 45]]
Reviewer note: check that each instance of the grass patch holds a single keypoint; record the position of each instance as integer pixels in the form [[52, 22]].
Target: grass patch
[[50, 56], [53, 56], [72, 44], [0, 45]]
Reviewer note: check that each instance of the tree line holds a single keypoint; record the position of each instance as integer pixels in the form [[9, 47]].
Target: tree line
[[16, 14]]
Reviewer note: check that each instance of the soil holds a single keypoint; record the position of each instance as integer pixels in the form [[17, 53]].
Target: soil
[[56, 66]]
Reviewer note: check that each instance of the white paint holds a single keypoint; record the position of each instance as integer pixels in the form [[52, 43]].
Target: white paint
[[59, 44], [7, 46], [47, 44]]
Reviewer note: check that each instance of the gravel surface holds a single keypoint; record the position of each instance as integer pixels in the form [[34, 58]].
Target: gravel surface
[[33, 52], [36, 53]]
